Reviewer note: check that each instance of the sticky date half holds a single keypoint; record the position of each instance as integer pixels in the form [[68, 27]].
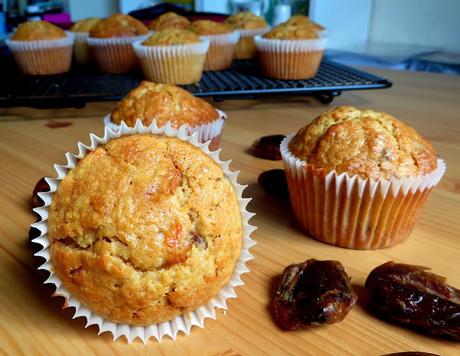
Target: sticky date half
[[411, 295], [313, 293]]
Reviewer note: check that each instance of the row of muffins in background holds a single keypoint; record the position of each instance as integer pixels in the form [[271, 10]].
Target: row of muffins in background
[[177, 52]]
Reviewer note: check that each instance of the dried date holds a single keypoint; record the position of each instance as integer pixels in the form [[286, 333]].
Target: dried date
[[313, 293], [41, 186], [411, 295], [274, 183], [268, 147]]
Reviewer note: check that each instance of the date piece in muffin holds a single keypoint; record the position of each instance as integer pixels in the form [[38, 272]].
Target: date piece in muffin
[[169, 20], [145, 228]]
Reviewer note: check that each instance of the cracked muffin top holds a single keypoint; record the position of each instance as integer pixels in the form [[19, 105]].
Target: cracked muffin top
[[118, 25], [164, 103], [368, 143], [302, 20], [208, 27], [85, 25], [169, 20], [145, 228], [291, 32], [246, 20], [172, 36], [36, 31]]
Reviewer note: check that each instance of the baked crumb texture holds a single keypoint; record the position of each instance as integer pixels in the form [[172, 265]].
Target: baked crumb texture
[[145, 228], [118, 25], [36, 31]]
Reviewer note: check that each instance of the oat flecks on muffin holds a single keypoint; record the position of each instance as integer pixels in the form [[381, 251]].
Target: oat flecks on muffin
[[37, 30], [208, 27], [172, 36], [364, 142], [291, 32], [302, 20], [169, 20], [85, 25], [246, 21], [145, 228], [164, 103], [118, 25]]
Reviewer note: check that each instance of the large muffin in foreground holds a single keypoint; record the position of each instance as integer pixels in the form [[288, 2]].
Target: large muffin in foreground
[[40, 48], [170, 104], [169, 20], [111, 43], [359, 178], [81, 30], [144, 229]]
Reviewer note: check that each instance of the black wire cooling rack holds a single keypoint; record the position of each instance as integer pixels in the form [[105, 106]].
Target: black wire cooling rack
[[242, 80]]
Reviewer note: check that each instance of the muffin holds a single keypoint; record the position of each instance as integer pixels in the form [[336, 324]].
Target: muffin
[[248, 25], [111, 43], [290, 52], [169, 20], [359, 178], [222, 43], [172, 56], [81, 32], [41, 48], [169, 104], [302, 20]]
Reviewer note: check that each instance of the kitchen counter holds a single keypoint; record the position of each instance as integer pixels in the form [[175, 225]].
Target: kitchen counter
[[32, 322]]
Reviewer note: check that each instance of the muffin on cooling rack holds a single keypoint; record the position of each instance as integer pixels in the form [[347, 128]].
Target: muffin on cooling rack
[[248, 25], [290, 52], [359, 178], [222, 43], [172, 56], [111, 43], [169, 104], [81, 32], [41, 48], [169, 20]]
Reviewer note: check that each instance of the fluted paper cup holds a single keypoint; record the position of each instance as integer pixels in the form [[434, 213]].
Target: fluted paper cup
[[182, 323], [175, 64], [246, 48], [352, 212], [81, 48], [221, 50], [114, 55], [290, 59], [211, 131], [43, 57]]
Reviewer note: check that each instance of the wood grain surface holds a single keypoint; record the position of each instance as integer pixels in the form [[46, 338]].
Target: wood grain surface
[[32, 322]]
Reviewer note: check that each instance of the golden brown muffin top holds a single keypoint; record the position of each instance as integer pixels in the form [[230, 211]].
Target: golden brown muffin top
[[36, 31], [208, 27], [368, 143], [246, 21], [302, 20], [144, 228], [172, 36], [290, 32], [169, 20], [165, 103], [118, 25], [85, 25]]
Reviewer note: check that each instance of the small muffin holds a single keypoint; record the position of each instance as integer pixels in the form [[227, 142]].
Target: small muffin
[[366, 177], [145, 228], [167, 103], [41, 48], [172, 56], [302, 20], [169, 20], [249, 26], [290, 52], [222, 43], [111, 43], [81, 32]]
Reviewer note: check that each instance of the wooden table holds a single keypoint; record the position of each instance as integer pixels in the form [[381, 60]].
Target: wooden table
[[31, 322]]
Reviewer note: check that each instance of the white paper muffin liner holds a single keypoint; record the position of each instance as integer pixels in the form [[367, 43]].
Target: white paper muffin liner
[[206, 132], [277, 46], [182, 323], [353, 212], [174, 64], [43, 56], [221, 50], [253, 33], [81, 47]]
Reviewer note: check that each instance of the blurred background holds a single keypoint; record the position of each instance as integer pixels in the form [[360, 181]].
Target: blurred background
[[421, 35]]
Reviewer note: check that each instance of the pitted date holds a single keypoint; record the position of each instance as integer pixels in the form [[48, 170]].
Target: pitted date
[[274, 183], [313, 293], [41, 186], [268, 147], [411, 295]]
